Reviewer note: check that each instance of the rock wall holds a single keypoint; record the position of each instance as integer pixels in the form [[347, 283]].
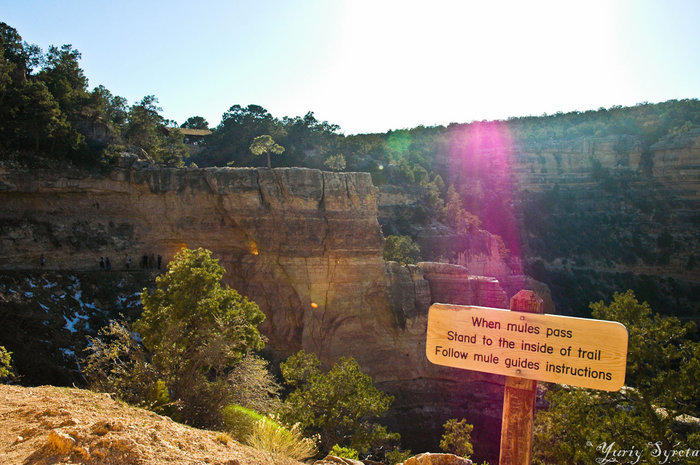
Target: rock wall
[[587, 217], [304, 244]]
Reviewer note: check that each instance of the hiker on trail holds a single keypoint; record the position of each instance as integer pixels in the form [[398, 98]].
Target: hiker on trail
[[108, 264], [102, 263]]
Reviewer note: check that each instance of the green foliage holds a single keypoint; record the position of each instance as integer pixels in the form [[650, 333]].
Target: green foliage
[[265, 144], [6, 373], [193, 353], [663, 366], [264, 433], [270, 436], [397, 456], [340, 404], [345, 452], [52, 114], [457, 217], [118, 364], [239, 420], [196, 331], [195, 122], [160, 401], [401, 249], [145, 128], [457, 438], [335, 162]]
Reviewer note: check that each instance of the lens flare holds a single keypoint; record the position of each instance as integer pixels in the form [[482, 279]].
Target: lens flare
[[480, 160]]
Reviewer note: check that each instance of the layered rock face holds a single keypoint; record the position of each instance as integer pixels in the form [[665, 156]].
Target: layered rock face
[[304, 244], [588, 217]]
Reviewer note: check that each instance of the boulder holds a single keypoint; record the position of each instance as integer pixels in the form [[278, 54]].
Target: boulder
[[437, 459], [333, 460]]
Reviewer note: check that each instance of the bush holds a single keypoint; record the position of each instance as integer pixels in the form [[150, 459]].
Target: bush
[[264, 433], [270, 436], [401, 249], [335, 162], [193, 352], [239, 421], [118, 364], [457, 438], [339, 405], [397, 456], [345, 452], [660, 396], [6, 373]]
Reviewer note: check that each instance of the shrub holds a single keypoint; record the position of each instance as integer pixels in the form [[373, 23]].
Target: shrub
[[401, 249], [194, 347], [118, 364], [457, 438], [270, 436], [335, 162], [345, 452], [5, 365], [339, 405], [264, 433], [397, 456], [239, 421]]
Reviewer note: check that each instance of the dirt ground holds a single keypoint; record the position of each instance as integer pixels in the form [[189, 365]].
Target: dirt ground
[[49, 425]]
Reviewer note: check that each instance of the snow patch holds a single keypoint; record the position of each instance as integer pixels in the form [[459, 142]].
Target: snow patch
[[67, 352], [71, 322]]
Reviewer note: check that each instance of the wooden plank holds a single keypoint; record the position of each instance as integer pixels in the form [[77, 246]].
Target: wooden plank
[[575, 351], [519, 400]]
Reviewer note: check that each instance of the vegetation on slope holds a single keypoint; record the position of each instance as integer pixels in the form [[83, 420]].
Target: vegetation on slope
[[657, 410]]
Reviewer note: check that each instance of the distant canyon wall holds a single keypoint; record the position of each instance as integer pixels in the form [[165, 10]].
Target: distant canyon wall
[[586, 216]]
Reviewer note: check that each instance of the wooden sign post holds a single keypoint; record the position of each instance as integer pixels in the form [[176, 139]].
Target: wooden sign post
[[527, 346], [519, 399]]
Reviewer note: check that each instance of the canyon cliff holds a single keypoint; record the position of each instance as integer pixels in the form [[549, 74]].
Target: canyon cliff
[[586, 216], [304, 244]]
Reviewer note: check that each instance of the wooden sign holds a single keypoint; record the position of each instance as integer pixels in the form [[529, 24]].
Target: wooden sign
[[558, 349]]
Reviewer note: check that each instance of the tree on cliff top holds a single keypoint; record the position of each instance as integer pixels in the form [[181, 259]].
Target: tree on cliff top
[[265, 144], [195, 122], [657, 411], [340, 405]]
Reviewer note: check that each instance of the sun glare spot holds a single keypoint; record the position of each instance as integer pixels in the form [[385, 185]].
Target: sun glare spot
[[253, 248]]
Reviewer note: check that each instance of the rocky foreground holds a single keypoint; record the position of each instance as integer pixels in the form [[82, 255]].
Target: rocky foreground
[[50, 425], [54, 425]]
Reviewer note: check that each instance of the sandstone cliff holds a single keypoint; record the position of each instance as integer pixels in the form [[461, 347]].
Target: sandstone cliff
[[289, 238]]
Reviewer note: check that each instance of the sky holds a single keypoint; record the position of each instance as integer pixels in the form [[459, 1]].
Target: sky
[[375, 65]]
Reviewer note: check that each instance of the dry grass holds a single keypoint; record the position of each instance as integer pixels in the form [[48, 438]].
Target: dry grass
[[224, 438], [270, 437]]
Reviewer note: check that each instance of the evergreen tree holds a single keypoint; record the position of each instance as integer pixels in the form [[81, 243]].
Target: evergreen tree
[[654, 411], [340, 405]]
